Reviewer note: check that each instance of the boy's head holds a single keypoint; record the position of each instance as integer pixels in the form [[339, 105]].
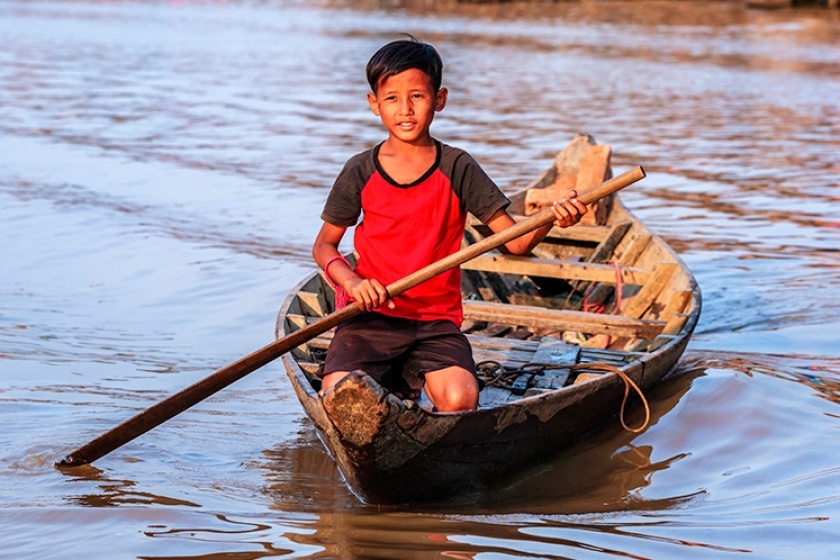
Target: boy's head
[[401, 55]]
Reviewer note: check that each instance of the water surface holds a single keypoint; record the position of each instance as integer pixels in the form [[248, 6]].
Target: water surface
[[162, 170]]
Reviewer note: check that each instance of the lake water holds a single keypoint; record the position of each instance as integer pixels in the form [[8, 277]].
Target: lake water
[[162, 170]]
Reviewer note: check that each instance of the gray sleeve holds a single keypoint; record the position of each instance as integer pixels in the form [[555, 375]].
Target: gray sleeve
[[344, 203], [479, 195]]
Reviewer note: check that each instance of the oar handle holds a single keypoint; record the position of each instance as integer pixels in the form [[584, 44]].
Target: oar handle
[[179, 402]]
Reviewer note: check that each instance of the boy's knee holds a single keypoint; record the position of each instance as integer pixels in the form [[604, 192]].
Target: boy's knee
[[459, 402], [452, 390]]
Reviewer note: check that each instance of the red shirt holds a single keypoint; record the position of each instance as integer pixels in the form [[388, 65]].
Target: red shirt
[[407, 227]]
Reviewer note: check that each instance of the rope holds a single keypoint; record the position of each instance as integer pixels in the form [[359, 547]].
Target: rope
[[504, 377], [628, 383]]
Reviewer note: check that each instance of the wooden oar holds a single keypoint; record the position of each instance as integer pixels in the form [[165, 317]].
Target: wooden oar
[[192, 395]]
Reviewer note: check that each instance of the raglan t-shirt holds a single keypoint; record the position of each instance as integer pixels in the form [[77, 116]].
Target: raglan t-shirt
[[404, 228]]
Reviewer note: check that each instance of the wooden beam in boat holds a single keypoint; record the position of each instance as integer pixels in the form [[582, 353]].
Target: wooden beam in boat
[[552, 268], [650, 292], [562, 320], [607, 246], [676, 316], [314, 303], [637, 245], [675, 312]]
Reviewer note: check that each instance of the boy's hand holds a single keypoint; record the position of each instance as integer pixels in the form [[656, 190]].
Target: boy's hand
[[568, 211], [368, 293]]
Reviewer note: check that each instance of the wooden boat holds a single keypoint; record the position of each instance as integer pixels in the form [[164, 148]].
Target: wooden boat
[[551, 333]]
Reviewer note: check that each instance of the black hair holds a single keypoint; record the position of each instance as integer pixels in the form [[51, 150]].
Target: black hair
[[401, 55]]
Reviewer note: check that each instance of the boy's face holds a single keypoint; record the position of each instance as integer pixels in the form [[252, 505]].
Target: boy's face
[[406, 103]]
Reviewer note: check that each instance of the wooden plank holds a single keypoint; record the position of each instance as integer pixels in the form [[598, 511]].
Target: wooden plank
[[651, 291], [637, 245], [309, 367], [659, 342], [551, 268], [604, 251], [295, 320], [674, 313], [321, 342], [313, 303], [491, 397], [494, 330], [562, 320], [507, 358], [502, 343], [553, 351], [510, 352]]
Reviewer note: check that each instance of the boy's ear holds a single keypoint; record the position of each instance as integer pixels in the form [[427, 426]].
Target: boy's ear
[[374, 104], [440, 98]]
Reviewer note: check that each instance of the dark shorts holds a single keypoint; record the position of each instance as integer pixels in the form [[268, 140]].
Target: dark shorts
[[396, 352]]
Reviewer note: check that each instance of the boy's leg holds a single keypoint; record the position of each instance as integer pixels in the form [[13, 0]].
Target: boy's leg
[[371, 343], [442, 363], [452, 389]]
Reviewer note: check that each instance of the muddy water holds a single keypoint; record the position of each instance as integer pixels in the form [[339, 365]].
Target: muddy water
[[162, 170]]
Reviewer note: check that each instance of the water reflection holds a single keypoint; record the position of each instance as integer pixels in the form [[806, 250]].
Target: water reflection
[[300, 475], [569, 503], [112, 492]]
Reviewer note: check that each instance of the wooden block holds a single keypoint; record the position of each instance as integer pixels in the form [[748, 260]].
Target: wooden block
[[538, 199], [595, 167], [567, 162], [594, 170]]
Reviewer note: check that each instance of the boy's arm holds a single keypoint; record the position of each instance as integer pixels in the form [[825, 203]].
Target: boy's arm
[[567, 212], [369, 293]]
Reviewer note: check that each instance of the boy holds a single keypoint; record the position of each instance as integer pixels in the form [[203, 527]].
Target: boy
[[415, 193]]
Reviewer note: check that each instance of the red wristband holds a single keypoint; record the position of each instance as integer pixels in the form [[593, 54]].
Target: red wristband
[[340, 292]]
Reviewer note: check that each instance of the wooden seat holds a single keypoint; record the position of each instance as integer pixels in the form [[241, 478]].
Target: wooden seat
[[561, 320]]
